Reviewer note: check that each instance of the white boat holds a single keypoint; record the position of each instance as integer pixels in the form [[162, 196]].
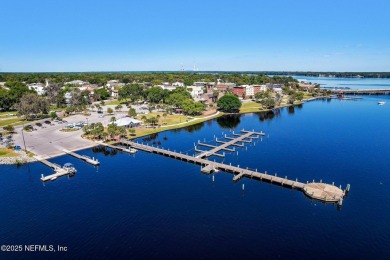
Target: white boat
[[69, 168], [381, 103], [132, 150]]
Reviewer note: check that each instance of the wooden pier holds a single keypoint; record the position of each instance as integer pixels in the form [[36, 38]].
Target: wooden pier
[[123, 149], [318, 191], [378, 91], [225, 145], [83, 157], [58, 171]]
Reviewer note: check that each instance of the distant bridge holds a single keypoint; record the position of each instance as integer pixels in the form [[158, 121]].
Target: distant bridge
[[373, 91]]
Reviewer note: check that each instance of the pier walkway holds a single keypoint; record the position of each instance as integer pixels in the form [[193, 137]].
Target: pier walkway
[[83, 157], [225, 145], [58, 171], [319, 191], [378, 91]]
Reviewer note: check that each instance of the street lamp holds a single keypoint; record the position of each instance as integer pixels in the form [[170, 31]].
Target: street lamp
[[87, 126]]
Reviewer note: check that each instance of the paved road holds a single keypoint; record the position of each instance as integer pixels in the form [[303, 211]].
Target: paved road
[[50, 141]]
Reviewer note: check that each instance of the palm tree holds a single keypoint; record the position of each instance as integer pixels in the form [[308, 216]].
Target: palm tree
[[121, 130], [158, 119], [118, 107], [164, 115], [112, 119], [144, 118], [98, 107]]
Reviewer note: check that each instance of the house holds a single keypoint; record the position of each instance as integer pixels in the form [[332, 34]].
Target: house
[[239, 91], [76, 82], [200, 84], [127, 122], [195, 91], [114, 83], [167, 87], [68, 97], [224, 87], [178, 84], [114, 93], [37, 87]]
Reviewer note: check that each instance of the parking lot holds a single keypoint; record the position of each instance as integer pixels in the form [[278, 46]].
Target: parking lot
[[48, 141]]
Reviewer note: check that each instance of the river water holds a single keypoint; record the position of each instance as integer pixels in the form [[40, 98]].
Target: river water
[[352, 83], [146, 206]]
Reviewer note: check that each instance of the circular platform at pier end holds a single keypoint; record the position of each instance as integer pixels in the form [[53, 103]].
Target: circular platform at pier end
[[324, 192]]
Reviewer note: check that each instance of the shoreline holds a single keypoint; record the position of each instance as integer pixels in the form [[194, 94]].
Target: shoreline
[[152, 131]]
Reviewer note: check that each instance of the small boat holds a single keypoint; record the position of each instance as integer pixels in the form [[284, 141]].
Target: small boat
[[54, 178], [69, 168], [132, 150], [381, 103]]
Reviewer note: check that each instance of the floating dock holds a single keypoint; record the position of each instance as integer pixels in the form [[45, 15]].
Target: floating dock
[[83, 157], [58, 171], [319, 191], [128, 149]]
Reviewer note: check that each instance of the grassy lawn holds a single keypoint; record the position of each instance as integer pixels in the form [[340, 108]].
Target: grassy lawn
[[168, 120], [11, 121], [251, 107], [116, 102], [5, 114], [5, 152], [142, 131]]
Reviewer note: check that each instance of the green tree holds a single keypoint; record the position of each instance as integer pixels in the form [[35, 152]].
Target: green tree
[[165, 116], [9, 129], [154, 94], [101, 94], [53, 115], [110, 110], [132, 112], [229, 103], [118, 107], [132, 131], [268, 102], [32, 104]]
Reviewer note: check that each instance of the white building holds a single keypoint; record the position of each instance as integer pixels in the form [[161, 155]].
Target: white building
[[68, 97], [114, 93], [195, 91], [249, 90], [127, 122], [167, 87], [178, 84], [76, 82], [37, 87]]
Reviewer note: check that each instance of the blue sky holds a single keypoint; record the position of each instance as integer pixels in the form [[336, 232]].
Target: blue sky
[[136, 35]]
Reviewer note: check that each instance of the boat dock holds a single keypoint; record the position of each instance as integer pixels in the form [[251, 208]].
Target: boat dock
[[319, 191], [85, 158], [123, 149], [241, 138], [58, 171]]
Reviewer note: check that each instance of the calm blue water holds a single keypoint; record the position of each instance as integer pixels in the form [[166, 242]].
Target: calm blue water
[[152, 207], [353, 83]]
